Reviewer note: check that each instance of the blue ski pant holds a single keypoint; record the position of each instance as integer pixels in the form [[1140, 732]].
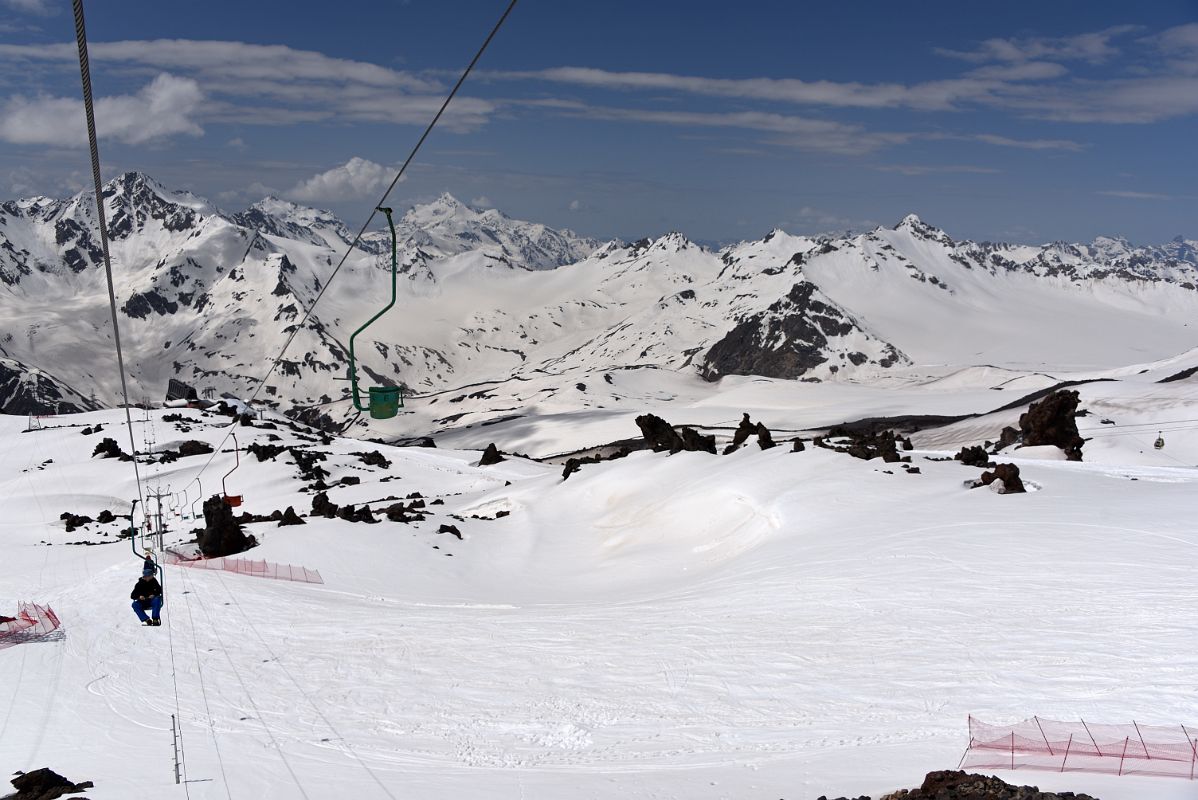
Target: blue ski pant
[[155, 608]]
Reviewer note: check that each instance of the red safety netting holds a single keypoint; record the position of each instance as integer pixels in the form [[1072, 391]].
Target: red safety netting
[[1037, 743], [32, 622], [244, 566]]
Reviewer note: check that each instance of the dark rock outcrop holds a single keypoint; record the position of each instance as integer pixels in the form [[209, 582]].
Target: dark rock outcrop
[[108, 448], [323, 507], [74, 521], [975, 456], [451, 529], [291, 518], [797, 445], [661, 436], [1051, 421], [265, 451], [1007, 476], [490, 456], [222, 534], [866, 446], [957, 785], [44, 784], [373, 459]]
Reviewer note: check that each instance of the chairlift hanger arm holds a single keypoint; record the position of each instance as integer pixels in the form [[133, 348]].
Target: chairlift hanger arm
[[353, 363]]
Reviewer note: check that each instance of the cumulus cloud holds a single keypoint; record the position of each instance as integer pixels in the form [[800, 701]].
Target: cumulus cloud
[[482, 201], [356, 178], [164, 108], [575, 205]]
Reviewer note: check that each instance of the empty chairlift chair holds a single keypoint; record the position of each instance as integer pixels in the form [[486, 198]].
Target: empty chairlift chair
[[384, 401], [232, 500]]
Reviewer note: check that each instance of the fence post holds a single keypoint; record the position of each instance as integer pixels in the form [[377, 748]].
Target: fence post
[[1046, 744], [1012, 749], [1126, 739], [175, 746], [1096, 748], [1067, 746], [1193, 749], [1147, 755]]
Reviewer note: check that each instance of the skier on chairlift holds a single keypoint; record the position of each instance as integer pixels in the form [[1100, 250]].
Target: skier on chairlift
[[147, 596]]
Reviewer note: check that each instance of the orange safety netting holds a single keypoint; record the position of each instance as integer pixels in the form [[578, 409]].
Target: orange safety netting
[[1037, 743], [244, 566], [32, 622]]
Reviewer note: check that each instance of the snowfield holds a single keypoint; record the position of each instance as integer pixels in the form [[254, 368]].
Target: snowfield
[[763, 624]]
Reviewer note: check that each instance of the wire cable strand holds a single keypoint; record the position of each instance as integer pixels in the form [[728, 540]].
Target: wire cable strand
[[328, 282], [86, 77]]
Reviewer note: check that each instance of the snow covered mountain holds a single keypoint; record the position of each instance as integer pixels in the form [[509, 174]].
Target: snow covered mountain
[[210, 297]]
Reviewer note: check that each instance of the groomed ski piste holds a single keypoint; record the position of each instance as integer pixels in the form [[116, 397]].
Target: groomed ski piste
[[763, 624]]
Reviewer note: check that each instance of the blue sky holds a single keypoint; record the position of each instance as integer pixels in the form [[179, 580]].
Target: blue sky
[[1033, 122]]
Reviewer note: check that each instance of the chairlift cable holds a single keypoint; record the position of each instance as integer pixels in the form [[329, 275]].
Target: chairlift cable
[[85, 77], [398, 175]]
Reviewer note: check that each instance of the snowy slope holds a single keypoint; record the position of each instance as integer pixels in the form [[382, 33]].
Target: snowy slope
[[770, 624]]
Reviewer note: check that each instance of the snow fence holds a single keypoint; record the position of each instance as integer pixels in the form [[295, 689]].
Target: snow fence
[[1038, 743], [32, 622], [244, 566]]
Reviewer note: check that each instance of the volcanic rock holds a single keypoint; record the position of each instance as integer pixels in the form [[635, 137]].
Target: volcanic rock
[[1051, 421]]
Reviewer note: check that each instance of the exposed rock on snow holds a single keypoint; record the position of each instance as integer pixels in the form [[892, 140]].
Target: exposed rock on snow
[[661, 436], [956, 785], [222, 534], [975, 456], [1003, 479], [1052, 421], [490, 456], [44, 784]]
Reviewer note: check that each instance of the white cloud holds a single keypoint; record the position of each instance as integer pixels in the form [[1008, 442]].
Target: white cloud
[[237, 143], [930, 95], [1094, 47], [355, 178], [1135, 195], [1027, 144], [575, 205], [43, 8], [276, 84], [164, 108], [925, 169], [791, 131], [482, 201], [810, 218]]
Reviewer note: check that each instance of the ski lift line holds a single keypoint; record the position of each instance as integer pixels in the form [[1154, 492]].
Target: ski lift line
[[1156, 424], [357, 237], [86, 80], [203, 689], [249, 695], [275, 658]]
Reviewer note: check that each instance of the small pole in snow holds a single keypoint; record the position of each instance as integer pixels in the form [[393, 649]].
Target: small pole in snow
[[1126, 739], [1096, 748], [1012, 749], [1041, 727], [1147, 755], [1067, 746], [1193, 748], [175, 745]]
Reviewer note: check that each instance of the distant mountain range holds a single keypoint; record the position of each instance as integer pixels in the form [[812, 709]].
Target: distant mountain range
[[209, 297]]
